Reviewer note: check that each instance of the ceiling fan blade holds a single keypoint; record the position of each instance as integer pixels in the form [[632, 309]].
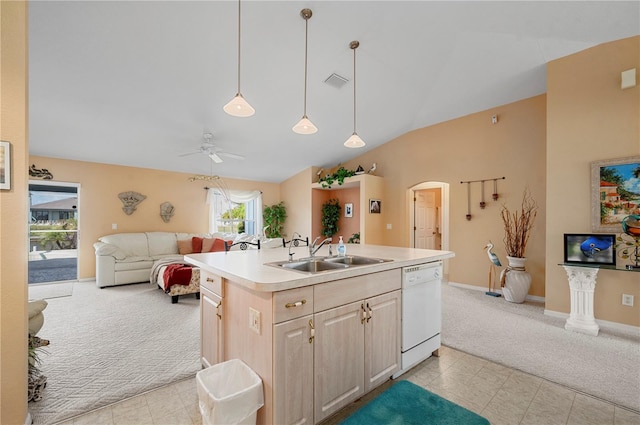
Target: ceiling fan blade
[[190, 153], [231, 155], [215, 158]]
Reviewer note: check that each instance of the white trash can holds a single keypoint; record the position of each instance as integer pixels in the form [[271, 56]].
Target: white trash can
[[229, 393]]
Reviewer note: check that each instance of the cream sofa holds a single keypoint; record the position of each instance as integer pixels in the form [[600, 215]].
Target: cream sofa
[[124, 258]]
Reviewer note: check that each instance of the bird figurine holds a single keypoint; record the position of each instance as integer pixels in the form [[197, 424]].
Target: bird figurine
[[373, 168], [495, 262]]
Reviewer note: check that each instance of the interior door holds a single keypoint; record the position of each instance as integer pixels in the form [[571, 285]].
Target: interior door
[[425, 219]]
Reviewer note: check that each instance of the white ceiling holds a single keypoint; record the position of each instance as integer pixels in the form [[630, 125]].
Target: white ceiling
[[137, 83]]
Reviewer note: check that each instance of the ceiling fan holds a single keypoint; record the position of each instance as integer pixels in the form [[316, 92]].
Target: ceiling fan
[[211, 150]]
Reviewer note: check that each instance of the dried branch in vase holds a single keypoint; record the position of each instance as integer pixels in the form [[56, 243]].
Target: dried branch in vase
[[518, 225]]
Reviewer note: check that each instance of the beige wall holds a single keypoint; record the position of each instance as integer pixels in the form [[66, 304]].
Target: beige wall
[[589, 118], [13, 209], [297, 199], [469, 148], [100, 206]]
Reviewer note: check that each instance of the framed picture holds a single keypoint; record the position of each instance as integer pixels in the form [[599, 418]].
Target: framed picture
[[5, 165], [375, 205], [615, 192], [348, 210], [596, 249]]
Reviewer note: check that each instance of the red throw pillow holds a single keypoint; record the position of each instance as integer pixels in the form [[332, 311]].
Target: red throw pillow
[[212, 245], [196, 244]]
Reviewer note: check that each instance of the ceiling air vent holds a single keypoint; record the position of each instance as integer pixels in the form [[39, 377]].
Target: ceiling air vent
[[335, 80]]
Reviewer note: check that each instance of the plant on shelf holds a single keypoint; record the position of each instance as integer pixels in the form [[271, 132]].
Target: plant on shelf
[[355, 238], [518, 225], [330, 216], [274, 217], [339, 176]]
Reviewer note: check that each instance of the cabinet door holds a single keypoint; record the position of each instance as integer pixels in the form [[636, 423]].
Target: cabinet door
[[293, 372], [210, 328], [382, 339], [338, 358]]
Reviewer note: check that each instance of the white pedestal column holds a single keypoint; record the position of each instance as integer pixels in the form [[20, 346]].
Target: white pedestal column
[[582, 283]]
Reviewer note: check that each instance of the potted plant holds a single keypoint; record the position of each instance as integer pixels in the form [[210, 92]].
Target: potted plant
[[274, 217], [339, 176], [515, 280], [330, 216]]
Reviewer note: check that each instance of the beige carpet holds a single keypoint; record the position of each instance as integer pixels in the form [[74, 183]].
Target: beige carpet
[[522, 337], [113, 343], [46, 291]]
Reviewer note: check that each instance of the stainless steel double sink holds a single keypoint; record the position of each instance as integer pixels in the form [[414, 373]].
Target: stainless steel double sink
[[323, 264]]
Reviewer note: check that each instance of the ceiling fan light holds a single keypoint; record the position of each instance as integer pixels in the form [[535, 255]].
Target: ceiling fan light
[[354, 141], [238, 107], [305, 126]]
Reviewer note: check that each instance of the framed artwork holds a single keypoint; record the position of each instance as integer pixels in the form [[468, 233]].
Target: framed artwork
[[615, 192], [375, 205], [348, 210], [5, 165], [596, 249]]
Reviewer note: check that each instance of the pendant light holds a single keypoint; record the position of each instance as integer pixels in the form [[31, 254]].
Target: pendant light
[[354, 141], [305, 126], [238, 107]]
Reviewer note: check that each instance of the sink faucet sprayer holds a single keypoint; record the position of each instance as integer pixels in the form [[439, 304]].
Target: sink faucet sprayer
[[313, 248]]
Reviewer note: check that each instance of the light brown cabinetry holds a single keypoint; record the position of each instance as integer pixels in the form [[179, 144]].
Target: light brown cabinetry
[[319, 347], [211, 325], [293, 371], [357, 348]]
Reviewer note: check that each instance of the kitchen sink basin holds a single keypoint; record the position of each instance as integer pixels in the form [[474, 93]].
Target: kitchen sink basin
[[354, 260], [323, 264], [310, 266]]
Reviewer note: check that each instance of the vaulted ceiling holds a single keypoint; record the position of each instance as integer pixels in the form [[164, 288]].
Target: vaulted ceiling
[[139, 83]]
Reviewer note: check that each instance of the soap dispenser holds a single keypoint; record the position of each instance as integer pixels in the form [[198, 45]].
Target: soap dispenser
[[342, 248]]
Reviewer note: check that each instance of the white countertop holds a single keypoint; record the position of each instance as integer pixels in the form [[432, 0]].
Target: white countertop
[[248, 267]]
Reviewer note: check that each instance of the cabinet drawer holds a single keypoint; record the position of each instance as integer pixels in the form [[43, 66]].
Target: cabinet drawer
[[344, 291], [211, 281], [293, 303]]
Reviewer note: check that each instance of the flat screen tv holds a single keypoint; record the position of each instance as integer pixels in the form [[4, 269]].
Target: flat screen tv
[[585, 248]]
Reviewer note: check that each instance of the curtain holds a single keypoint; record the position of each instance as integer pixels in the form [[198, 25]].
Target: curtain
[[241, 197]]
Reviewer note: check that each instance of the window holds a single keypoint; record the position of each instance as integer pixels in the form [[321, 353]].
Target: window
[[238, 212]]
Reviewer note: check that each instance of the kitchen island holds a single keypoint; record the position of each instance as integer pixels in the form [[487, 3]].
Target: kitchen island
[[318, 340]]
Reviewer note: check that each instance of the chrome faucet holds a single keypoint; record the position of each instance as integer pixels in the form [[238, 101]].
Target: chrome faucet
[[293, 236], [313, 248]]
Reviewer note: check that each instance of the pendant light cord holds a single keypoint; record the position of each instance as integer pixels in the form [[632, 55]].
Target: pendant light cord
[[239, 31], [354, 89], [306, 38]]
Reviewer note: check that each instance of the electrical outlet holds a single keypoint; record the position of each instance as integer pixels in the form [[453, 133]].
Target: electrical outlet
[[114, 226], [627, 300], [254, 320]]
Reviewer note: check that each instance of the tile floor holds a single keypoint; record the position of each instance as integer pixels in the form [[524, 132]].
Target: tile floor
[[502, 395]]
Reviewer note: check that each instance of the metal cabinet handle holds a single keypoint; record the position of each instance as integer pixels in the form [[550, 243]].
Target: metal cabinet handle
[[210, 280], [218, 310], [312, 331], [295, 304], [370, 312], [364, 314]]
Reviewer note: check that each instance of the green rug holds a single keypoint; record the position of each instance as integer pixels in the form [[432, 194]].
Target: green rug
[[407, 404]]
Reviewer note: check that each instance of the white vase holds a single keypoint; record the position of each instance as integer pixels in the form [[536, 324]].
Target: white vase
[[516, 281]]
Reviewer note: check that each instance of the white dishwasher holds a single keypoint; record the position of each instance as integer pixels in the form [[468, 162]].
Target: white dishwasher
[[421, 313]]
